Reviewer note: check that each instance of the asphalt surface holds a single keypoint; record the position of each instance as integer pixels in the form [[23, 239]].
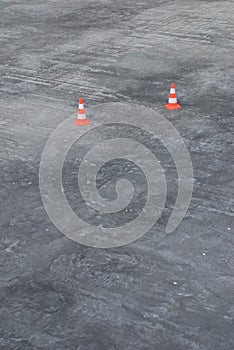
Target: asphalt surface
[[164, 291]]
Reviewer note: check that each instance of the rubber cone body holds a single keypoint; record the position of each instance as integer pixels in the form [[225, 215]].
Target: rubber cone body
[[172, 101], [81, 117]]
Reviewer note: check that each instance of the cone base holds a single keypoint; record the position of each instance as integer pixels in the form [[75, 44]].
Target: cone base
[[81, 122], [172, 106]]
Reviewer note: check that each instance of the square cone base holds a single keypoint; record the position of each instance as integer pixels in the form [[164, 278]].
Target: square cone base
[[172, 106], [81, 122]]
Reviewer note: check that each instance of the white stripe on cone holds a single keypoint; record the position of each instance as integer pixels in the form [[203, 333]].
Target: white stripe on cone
[[81, 116], [172, 100]]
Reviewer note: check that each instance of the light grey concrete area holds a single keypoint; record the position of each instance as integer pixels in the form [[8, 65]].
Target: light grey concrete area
[[165, 291]]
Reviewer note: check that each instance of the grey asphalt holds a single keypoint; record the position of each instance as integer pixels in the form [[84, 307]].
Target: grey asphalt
[[164, 291]]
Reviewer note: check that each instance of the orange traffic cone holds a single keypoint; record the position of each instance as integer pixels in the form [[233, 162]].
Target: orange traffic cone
[[81, 117], [172, 101]]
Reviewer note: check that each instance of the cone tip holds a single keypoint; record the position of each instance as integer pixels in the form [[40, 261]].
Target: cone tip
[[172, 85], [81, 101]]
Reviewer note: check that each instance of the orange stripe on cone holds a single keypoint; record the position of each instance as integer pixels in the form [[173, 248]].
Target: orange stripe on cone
[[172, 101], [81, 117], [81, 111]]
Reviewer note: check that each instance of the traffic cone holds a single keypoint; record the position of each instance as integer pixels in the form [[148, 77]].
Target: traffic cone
[[172, 101], [81, 117]]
